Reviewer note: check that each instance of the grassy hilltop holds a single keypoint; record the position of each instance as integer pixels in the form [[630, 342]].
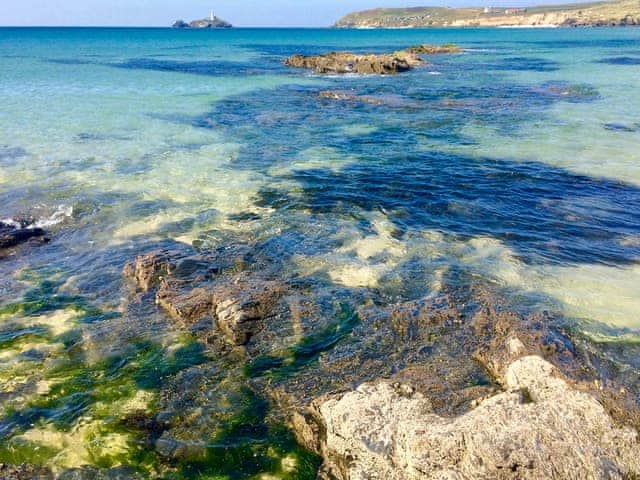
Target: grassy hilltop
[[620, 12]]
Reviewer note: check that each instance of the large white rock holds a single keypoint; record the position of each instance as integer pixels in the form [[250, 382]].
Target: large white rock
[[539, 428]]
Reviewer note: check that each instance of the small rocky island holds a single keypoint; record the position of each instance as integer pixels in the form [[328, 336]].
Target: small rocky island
[[371, 63], [211, 22]]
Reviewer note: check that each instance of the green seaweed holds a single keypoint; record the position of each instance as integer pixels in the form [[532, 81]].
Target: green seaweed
[[245, 446], [45, 297], [155, 366], [11, 338], [77, 386], [290, 361], [248, 446], [18, 451]]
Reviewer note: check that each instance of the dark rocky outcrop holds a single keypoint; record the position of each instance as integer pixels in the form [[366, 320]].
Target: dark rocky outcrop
[[211, 290], [349, 97], [434, 49], [24, 472], [205, 23], [370, 63], [17, 232], [32, 472], [363, 64]]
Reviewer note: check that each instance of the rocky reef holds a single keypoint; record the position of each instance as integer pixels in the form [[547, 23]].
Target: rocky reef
[[368, 64], [433, 49], [347, 62], [269, 370], [452, 386]]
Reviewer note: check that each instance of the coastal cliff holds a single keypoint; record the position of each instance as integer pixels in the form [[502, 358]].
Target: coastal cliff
[[616, 13]]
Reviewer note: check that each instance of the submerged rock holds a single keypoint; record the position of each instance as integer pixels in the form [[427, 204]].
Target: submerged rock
[[533, 430], [349, 97], [240, 305], [390, 101], [434, 49], [24, 472], [147, 270], [619, 127], [209, 290], [348, 62], [33, 472]]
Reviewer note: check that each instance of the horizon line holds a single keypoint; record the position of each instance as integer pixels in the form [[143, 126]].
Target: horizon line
[[165, 27]]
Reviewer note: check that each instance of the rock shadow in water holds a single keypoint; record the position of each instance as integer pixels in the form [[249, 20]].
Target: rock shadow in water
[[544, 213], [621, 61], [522, 64]]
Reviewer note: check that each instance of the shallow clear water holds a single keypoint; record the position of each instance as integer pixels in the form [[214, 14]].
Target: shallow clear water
[[516, 163]]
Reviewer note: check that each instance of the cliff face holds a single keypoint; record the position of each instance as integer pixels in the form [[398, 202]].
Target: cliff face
[[620, 12]]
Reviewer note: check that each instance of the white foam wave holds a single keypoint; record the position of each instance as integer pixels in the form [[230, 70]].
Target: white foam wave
[[60, 215]]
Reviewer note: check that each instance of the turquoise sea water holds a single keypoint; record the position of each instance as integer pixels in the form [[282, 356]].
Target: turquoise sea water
[[516, 163]]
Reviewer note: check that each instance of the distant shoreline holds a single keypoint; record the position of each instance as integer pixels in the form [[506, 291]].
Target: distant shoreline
[[147, 27], [595, 14]]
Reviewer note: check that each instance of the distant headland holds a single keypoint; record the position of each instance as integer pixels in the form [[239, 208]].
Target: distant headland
[[211, 22], [595, 14]]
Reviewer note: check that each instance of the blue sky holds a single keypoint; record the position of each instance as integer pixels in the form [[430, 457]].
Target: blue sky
[[163, 12]]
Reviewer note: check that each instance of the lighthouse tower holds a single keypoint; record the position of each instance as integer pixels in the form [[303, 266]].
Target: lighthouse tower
[[212, 16]]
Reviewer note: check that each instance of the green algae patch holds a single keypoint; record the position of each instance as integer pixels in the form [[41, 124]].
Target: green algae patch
[[154, 366], [46, 296], [78, 410], [18, 450], [249, 447], [290, 361]]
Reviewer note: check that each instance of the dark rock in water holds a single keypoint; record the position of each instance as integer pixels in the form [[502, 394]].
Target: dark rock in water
[[208, 288], [24, 472], [618, 127], [381, 64], [241, 304], [349, 97], [33, 472], [621, 61], [205, 23], [147, 270], [186, 305], [180, 24], [92, 473], [243, 217], [236, 305], [434, 49], [17, 232], [11, 153], [363, 64]]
